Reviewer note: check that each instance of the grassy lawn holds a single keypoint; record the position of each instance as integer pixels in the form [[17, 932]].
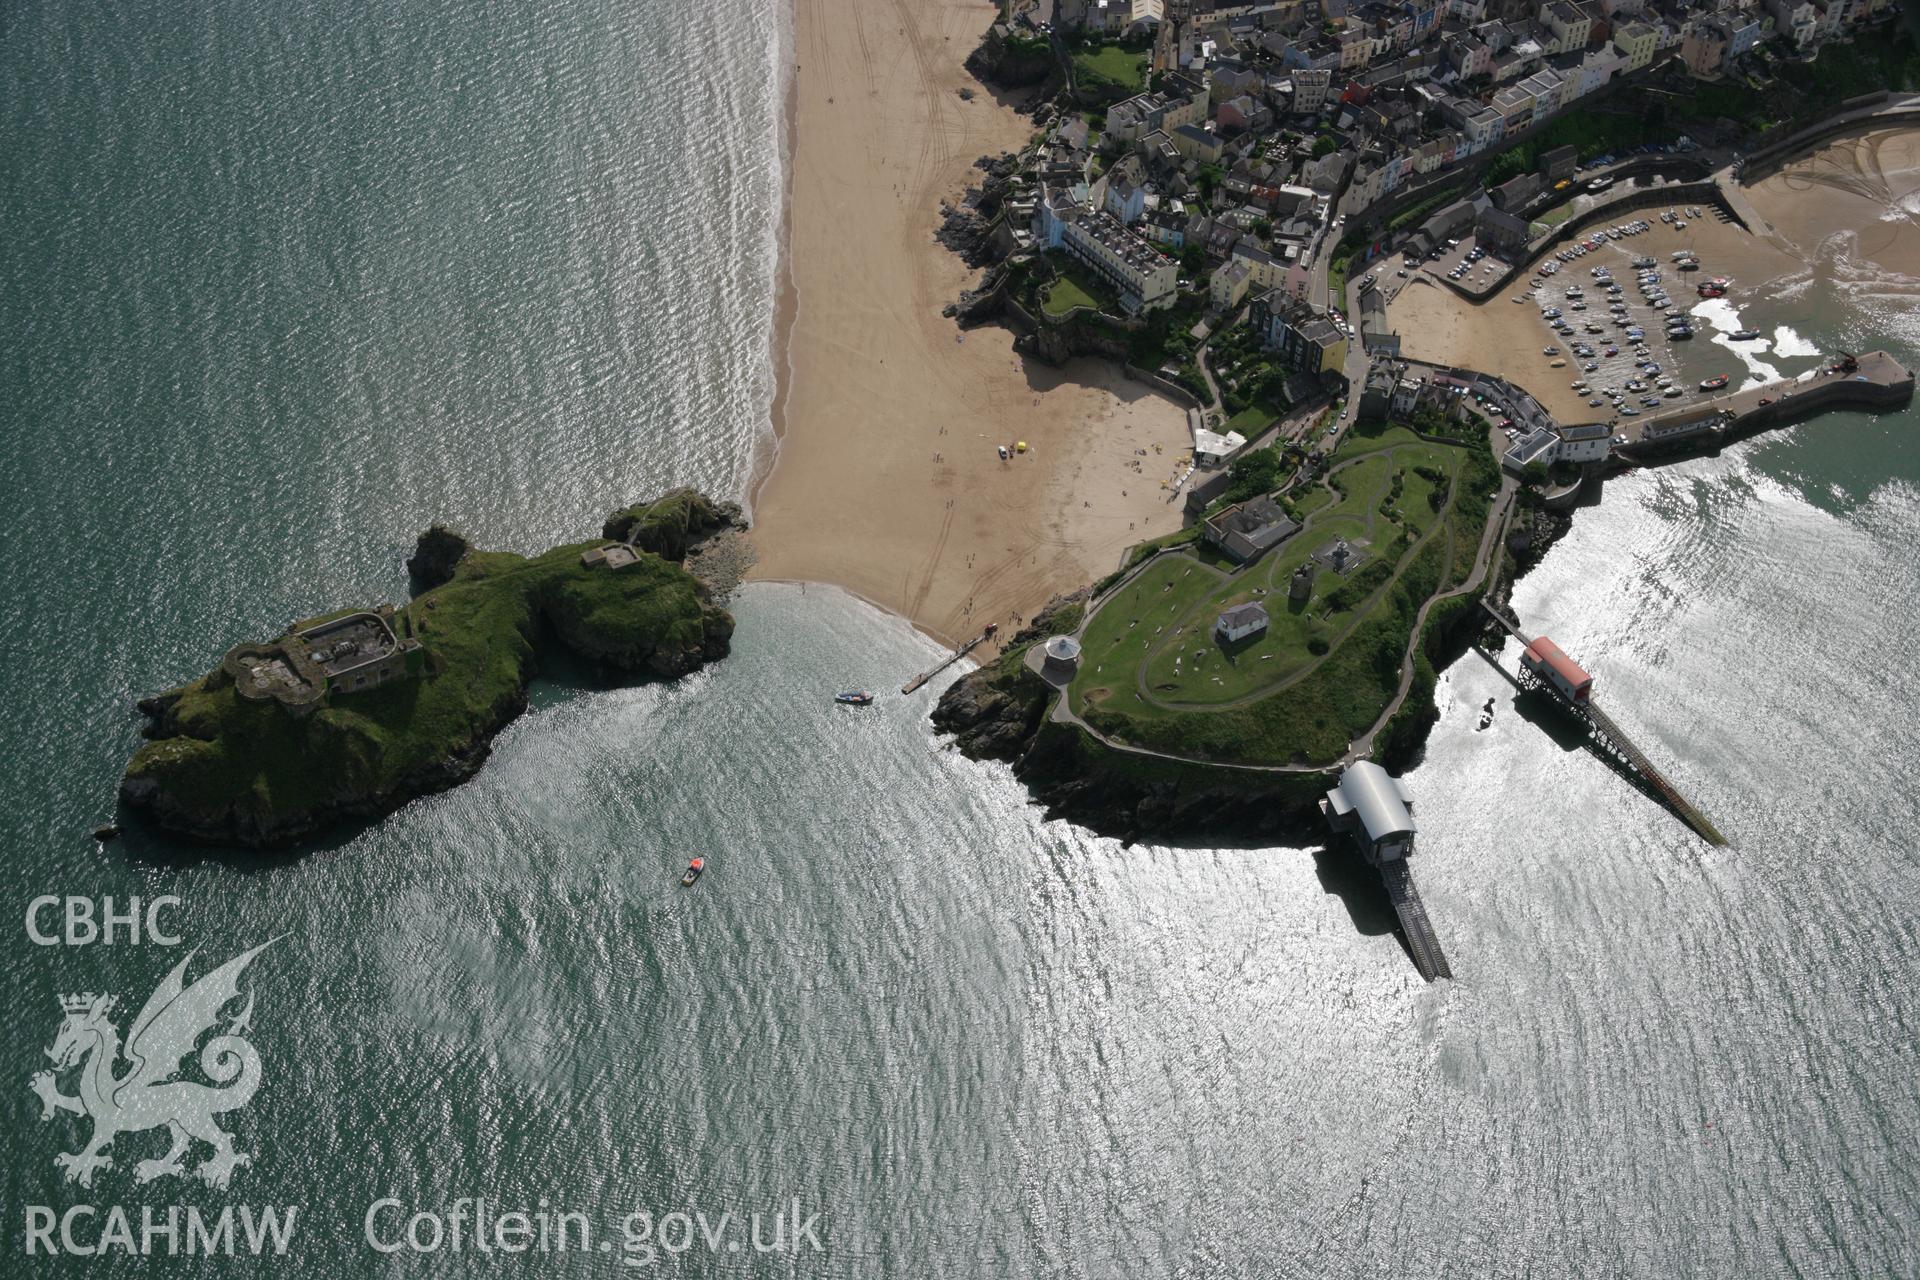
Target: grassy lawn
[[1066, 293], [1251, 421], [1126, 626], [1417, 212], [1551, 219], [1111, 64], [1416, 508]]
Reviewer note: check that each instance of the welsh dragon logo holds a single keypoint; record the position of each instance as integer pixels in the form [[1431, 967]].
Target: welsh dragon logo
[[146, 1095]]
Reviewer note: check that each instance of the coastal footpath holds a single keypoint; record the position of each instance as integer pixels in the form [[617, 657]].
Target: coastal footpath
[[348, 715]]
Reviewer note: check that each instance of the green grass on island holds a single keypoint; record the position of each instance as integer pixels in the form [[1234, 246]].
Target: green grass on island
[[220, 766], [1154, 673]]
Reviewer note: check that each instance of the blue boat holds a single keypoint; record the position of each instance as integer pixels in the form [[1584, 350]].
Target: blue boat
[[854, 697]]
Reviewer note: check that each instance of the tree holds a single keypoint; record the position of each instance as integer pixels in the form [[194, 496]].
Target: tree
[[1193, 260], [1254, 472], [1324, 145], [1534, 473], [1263, 228], [1209, 177]]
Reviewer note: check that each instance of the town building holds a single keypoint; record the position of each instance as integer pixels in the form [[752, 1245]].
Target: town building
[[614, 555], [1638, 42], [1246, 529], [1196, 143], [1551, 665], [1228, 286], [1797, 20], [1311, 89], [1705, 49], [1212, 449], [1498, 231], [1307, 341], [1062, 655], [1567, 24], [1145, 278], [348, 654], [1584, 442], [1242, 622], [1559, 163]]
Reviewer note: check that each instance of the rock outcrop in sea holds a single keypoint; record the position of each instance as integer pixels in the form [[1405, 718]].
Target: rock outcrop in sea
[[350, 714]]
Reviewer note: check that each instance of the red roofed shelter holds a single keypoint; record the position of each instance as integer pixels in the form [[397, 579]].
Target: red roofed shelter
[[1548, 661]]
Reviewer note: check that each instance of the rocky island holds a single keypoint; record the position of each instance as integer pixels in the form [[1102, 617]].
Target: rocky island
[[350, 714]]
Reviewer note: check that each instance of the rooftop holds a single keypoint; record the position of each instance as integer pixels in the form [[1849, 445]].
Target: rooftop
[[1376, 797], [345, 643]]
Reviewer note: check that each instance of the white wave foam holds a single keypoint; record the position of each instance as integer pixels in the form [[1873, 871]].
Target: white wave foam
[[1724, 317], [1788, 343]]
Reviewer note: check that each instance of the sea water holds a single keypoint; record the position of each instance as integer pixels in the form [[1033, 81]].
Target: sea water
[[284, 283]]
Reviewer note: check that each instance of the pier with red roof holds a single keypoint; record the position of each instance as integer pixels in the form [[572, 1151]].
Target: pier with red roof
[[1546, 666]]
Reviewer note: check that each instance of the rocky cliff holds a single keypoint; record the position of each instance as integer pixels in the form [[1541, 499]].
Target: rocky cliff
[[998, 712], [1008, 61]]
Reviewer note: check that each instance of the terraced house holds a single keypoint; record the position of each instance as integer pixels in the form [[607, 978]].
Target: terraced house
[[1144, 277]]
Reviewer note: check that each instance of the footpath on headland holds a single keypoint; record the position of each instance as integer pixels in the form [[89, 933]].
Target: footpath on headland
[[1491, 536]]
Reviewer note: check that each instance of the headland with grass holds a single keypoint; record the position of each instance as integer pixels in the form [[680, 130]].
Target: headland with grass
[[1165, 721]]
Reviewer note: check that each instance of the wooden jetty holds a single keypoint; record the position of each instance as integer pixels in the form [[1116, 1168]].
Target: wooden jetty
[[915, 683]]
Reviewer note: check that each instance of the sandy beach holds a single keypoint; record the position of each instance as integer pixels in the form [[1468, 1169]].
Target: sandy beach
[[887, 480], [1867, 186]]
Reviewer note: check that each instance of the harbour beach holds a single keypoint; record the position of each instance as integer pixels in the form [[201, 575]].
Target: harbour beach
[[885, 477], [1506, 337], [1850, 201]]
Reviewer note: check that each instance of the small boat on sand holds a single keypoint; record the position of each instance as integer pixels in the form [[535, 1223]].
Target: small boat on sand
[[1714, 384], [1743, 335], [854, 697], [694, 869]]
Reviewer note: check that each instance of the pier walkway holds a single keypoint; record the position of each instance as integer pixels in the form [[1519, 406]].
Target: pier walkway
[[1421, 939], [1873, 380], [1612, 739], [919, 680]]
